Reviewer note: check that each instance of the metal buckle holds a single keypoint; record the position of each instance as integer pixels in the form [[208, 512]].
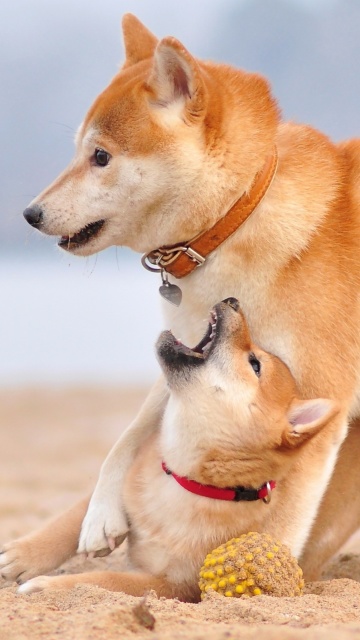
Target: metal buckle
[[194, 255], [159, 259], [267, 498]]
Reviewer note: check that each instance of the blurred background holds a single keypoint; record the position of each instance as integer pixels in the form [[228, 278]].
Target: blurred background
[[69, 320]]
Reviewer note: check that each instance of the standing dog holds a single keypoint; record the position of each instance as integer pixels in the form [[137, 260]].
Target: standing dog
[[176, 150], [233, 419]]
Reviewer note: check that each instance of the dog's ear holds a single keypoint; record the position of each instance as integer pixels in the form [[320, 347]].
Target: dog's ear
[[139, 42], [176, 81], [306, 418]]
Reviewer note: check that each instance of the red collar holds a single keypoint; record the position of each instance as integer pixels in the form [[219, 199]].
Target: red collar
[[234, 494]]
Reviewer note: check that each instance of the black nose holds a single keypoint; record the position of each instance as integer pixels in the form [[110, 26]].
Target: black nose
[[233, 303], [33, 215]]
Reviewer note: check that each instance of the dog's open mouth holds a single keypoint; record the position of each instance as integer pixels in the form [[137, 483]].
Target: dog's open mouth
[[202, 348], [173, 353], [82, 237]]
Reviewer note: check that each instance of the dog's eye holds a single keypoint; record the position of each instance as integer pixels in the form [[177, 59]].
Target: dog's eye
[[101, 157], [255, 363]]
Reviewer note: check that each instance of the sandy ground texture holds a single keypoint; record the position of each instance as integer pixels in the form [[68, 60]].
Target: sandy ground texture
[[52, 445]]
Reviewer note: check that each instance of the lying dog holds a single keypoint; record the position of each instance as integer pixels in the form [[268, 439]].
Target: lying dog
[[189, 162], [233, 419]]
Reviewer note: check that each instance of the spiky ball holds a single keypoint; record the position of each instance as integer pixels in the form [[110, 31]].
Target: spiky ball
[[251, 565]]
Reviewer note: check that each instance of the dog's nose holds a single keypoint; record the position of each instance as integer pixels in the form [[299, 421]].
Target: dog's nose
[[233, 303], [33, 215]]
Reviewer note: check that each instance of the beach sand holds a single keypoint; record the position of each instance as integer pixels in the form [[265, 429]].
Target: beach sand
[[52, 444]]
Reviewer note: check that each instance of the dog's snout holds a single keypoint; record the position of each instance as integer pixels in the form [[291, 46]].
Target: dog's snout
[[233, 303], [34, 215]]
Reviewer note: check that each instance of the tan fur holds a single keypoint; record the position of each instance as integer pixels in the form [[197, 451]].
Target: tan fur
[[47, 548], [172, 529], [339, 514], [186, 139]]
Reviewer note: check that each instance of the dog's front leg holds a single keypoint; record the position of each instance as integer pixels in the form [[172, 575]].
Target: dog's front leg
[[45, 549], [105, 525], [134, 584]]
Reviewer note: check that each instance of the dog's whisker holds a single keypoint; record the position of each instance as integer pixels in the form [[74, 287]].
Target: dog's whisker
[[117, 258], [92, 269], [62, 124]]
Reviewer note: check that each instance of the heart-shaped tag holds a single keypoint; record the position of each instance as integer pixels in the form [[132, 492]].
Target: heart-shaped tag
[[171, 292]]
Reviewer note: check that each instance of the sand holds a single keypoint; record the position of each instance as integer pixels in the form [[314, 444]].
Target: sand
[[53, 442]]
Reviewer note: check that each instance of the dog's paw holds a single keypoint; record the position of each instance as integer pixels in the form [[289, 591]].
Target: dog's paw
[[21, 560], [104, 528], [40, 583]]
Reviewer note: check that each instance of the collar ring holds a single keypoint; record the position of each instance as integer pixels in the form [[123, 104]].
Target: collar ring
[[267, 498]]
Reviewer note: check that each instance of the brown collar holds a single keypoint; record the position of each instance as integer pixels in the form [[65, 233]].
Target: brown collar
[[181, 259]]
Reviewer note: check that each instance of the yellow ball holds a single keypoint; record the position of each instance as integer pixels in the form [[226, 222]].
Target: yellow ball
[[251, 565]]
